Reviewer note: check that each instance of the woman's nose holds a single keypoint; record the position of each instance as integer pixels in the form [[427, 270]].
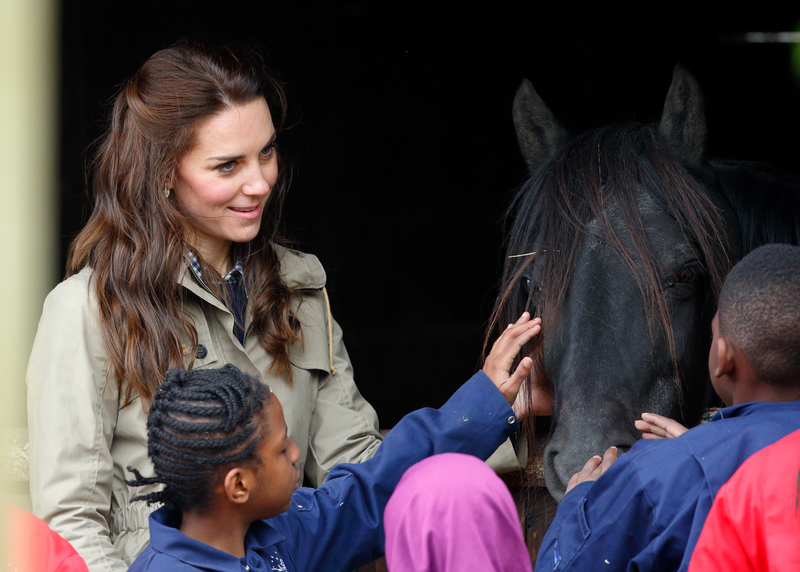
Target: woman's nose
[[258, 182]]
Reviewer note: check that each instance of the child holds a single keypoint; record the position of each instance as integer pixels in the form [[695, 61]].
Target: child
[[29, 544], [647, 510], [452, 513], [754, 524], [219, 444]]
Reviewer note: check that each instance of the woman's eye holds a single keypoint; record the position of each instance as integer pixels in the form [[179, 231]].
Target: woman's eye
[[269, 150], [226, 167]]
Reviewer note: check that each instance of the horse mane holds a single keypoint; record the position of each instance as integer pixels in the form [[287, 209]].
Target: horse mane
[[765, 199], [551, 214]]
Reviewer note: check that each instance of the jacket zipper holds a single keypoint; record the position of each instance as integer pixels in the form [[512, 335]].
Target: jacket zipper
[[246, 334]]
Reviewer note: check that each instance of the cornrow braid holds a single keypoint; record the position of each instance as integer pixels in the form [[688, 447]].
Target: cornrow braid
[[200, 421]]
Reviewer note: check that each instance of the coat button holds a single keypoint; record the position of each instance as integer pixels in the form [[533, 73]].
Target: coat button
[[201, 352]]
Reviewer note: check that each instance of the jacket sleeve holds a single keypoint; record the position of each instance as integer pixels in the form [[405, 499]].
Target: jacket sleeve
[[344, 426], [339, 526], [637, 516], [72, 411]]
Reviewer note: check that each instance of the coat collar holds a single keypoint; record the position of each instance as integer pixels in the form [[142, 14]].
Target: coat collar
[[167, 539], [749, 408], [299, 271]]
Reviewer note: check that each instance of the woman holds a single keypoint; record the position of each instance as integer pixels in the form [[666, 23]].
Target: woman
[[179, 266]]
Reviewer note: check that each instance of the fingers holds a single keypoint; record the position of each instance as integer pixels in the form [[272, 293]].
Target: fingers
[[655, 426], [516, 335], [585, 473], [505, 349], [594, 468], [648, 432], [669, 426], [522, 330], [589, 467], [510, 388], [611, 455]]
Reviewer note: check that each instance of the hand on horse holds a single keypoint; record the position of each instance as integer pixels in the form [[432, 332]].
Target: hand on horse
[[540, 401], [655, 426], [505, 349], [593, 469]]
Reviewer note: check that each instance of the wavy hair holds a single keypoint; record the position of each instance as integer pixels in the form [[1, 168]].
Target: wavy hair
[[137, 238]]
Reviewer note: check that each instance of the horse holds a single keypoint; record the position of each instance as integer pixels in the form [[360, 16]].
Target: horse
[[620, 241]]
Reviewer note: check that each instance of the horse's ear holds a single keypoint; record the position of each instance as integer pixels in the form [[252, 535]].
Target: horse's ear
[[683, 122], [538, 132]]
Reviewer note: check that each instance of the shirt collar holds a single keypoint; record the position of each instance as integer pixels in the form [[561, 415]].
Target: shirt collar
[[232, 278], [167, 539], [743, 409], [234, 275]]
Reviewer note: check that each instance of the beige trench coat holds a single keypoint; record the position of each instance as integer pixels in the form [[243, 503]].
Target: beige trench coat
[[81, 441]]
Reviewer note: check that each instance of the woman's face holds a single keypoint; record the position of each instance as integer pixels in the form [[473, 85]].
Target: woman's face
[[224, 181]]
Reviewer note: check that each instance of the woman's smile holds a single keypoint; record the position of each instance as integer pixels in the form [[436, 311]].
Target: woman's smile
[[247, 212]]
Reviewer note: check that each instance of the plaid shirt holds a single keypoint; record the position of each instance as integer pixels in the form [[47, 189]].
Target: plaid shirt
[[237, 291], [235, 275]]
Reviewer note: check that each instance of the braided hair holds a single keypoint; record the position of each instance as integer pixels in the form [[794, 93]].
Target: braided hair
[[200, 422]]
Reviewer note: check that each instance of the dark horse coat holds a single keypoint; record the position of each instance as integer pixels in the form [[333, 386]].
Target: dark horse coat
[[621, 239]]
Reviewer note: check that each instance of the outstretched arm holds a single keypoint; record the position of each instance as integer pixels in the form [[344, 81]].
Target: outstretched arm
[[344, 515]]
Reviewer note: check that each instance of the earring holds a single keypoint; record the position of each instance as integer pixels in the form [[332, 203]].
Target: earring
[[166, 191]]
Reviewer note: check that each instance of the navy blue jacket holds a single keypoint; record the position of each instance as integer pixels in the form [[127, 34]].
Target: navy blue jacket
[[647, 510], [339, 526]]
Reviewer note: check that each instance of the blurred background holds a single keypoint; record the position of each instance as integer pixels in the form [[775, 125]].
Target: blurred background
[[403, 148]]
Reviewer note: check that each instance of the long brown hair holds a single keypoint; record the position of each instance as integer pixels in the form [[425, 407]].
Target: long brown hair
[[136, 238]]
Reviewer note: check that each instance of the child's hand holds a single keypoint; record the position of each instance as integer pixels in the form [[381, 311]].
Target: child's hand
[[504, 350], [594, 468], [540, 402], [655, 426]]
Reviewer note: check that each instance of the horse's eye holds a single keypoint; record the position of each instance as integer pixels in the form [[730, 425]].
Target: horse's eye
[[526, 284], [687, 275]]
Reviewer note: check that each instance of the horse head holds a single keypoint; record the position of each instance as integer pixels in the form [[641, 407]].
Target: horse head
[[620, 243]]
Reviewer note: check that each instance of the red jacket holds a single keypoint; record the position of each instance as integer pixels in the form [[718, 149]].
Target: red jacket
[[754, 523], [31, 545]]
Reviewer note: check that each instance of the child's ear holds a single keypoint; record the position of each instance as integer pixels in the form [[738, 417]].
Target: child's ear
[[725, 357], [236, 486]]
